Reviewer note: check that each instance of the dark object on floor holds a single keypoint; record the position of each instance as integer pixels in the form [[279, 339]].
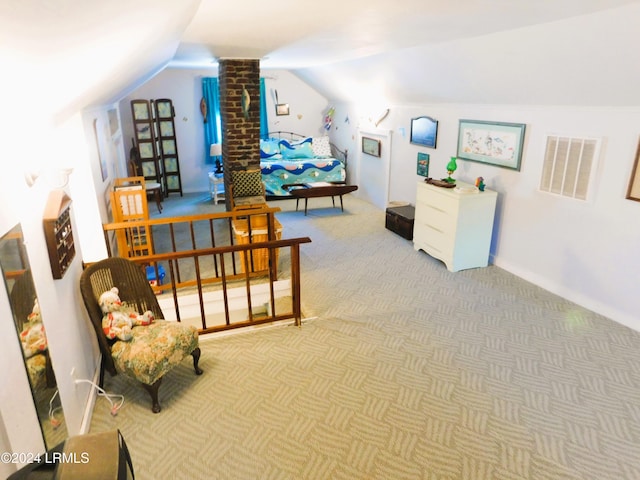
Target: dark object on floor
[[93, 456], [320, 189], [400, 220]]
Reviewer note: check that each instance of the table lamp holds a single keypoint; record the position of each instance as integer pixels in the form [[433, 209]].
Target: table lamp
[[452, 166], [215, 150]]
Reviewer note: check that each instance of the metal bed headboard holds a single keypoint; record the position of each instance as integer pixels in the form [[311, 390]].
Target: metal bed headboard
[[336, 152]]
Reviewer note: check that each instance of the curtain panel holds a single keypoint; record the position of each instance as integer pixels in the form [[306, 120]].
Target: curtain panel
[[211, 111]]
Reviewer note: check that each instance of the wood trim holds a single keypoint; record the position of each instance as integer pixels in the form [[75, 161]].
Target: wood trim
[[633, 191]]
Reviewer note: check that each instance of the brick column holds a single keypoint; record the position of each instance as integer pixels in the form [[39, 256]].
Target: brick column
[[240, 129]]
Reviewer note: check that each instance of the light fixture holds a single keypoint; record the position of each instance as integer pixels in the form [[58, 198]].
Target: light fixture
[[57, 178], [215, 151], [31, 177]]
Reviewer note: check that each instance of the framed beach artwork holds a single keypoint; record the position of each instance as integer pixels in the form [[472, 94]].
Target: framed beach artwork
[[423, 164], [371, 146], [282, 109], [424, 131], [493, 143]]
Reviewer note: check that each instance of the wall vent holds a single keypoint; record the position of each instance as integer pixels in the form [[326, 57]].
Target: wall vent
[[569, 165]]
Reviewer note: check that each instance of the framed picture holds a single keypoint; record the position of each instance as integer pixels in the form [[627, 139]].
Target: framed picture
[[282, 109], [633, 192], [424, 131], [371, 146], [493, 143], [423, 164]]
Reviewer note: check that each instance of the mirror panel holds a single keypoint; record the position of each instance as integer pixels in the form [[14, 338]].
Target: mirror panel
[[18, 280]]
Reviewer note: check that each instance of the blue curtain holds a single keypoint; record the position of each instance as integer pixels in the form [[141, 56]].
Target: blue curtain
[[264, 124], [212, 127]]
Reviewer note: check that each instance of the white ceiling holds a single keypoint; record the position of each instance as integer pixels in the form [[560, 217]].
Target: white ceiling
[[93, 52], [297, 34]]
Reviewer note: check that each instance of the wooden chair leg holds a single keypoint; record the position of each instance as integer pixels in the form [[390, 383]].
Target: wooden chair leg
[[196, 358], [153, 391]]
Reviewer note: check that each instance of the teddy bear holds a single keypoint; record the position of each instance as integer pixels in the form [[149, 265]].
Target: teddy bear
[[33, 337], [117, 324]]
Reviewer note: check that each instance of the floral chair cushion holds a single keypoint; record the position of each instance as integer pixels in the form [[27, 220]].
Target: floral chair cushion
[[36, 369], [154, 350]]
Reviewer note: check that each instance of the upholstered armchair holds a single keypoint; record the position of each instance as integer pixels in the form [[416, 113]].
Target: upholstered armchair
[[154, 349], [247, 189]]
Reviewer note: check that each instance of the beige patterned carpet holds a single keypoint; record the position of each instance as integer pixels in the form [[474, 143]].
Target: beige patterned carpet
[[403, 371]]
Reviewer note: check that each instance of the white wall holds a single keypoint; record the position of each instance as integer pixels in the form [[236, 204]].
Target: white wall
[[71, 342], [307, 107], [584, 251], [184, 88]]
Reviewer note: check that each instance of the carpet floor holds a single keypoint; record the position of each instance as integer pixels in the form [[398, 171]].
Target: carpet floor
[[402, 370]]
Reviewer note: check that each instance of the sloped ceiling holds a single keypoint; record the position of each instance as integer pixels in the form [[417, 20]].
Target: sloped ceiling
[[64, 55], [560, 52], [92, 52], [590, 60]]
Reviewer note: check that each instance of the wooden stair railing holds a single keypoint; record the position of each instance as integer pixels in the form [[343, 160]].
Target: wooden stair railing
[[225, 255]]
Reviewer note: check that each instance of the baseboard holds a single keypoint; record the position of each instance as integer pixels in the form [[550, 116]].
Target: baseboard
[[85, 426], [571, 295]]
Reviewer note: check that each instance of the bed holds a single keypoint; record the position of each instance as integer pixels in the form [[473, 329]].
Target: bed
[[287, 157]]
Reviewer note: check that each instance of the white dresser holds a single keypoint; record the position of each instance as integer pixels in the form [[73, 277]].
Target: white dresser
[[454, 225]]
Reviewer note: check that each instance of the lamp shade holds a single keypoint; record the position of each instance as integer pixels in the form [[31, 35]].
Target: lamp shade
[[215, 150]]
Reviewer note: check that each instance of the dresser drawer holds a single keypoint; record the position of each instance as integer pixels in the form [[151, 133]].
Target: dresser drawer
[[435, 217], [439, 198], [434, 238]]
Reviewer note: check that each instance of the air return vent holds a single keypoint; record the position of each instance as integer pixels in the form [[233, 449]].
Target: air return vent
[[569, 164]]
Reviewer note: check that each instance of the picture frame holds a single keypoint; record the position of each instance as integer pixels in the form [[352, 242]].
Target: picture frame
[[493, 143], [282, 109], [633, 191], [424, 131], [423, 164], [371, 146]]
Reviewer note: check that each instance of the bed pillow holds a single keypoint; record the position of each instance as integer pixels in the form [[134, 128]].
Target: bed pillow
[[321, 147], [269, 148], [297, 150], [293, 143]]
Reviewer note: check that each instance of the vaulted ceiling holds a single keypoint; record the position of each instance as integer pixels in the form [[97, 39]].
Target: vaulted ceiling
[[92, 52], [301, 34]]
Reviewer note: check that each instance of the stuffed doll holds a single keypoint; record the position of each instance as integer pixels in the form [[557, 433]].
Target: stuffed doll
[[117, 324], [32, 337]]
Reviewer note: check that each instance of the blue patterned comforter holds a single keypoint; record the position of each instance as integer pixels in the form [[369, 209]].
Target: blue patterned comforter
[[276, 173]]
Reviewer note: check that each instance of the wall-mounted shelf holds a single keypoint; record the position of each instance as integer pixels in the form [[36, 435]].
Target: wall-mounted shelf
[[58, 232]]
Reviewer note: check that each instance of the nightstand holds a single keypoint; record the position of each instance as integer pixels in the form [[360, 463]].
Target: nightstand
[[455, 225], [216, 186]]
